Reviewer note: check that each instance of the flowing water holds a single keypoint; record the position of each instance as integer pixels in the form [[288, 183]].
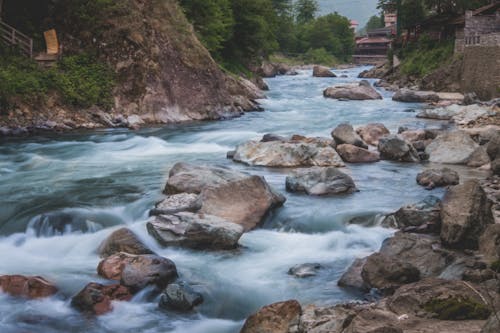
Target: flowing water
[[61, 195]]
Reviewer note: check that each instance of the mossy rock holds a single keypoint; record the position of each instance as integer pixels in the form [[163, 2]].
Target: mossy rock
[[495, 266], [457, 308]]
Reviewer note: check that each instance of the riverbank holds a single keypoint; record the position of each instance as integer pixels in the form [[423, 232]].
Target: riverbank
[[68, 193]]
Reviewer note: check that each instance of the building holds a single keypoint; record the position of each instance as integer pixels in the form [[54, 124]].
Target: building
[[373, 49], [390, 19], [354, 25]]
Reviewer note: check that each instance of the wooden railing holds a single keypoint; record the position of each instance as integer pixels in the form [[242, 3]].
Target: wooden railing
[[13, 37]]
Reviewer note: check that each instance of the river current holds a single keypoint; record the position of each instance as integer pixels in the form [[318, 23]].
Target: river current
[[91, 183]]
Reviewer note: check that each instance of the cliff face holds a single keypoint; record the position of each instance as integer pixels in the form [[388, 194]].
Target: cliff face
[[163, 73]]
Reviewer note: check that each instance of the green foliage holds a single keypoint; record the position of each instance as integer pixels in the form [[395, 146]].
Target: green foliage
[[319, 56], [306, 10], [213, 21], [421, 58], [83, 81], [457, 308], [374, 22], [495, 266], [79, 80]]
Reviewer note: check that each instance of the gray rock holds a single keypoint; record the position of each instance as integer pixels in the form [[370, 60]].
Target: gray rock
[[479, 158], [454, 147], [344, 133], [272, 137], [320, 181], [424, 213], [431, 178], [360, 91], [180, 297], [414, 96], [304, 270], [189, 178], [397, 149], [492, 325], [177, 203], [493, 147], [198, 231], [352, 277], [465, 214]]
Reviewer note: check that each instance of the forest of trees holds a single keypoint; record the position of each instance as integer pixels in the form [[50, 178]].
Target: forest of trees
[[247, 31]]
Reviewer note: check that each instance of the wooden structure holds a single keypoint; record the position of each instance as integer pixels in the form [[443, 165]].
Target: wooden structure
[[54, 49], [13, 37], [372, 49]]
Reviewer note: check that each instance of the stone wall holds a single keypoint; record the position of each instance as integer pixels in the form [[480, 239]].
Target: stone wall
[[481, 71], [481, 24]]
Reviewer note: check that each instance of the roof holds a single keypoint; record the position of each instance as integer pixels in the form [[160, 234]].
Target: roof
[[354, 22], [485, 9], [373, 40]]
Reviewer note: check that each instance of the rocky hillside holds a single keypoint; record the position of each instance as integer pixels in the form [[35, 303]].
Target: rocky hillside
[[163, 73]]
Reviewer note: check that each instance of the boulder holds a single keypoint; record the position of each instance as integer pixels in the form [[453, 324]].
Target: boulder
[[352, 92], [26, 286], [95, 298], [403, 259], [182, 202], [432, 178], [198, 231], [267, 70], [344, 133], [454, 147], [138, 271], [444, 299], [353, 154], [489, 242], [325, 319], [495, 166], [322, 71], [320, 181], [442, 113], [245, 202], [272, 137], [493, 146], [288, 154], [371, 133], [397, 149], [424, 215], [478, 158], [122, 240], [282, 317], [414, 96], [352, 277], [492, 325], [414, 135], [180, 297], [468, 114], [465, 214], [189, 178], [304, 270]]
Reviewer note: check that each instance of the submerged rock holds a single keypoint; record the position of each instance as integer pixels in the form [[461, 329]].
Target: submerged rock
[[26, 286], [304, 270], [362, 91], [432, 178], [345, 134], [180, 297], [454, 147], [322, 71], [414, 96], [353, 154], [95, 298], [287, 154], [466, 212], [397, 149], [189, 178], [372, 133], [138, 271], [245, 202], [320, 181], [122, 240], [282, 317], [198, 231]]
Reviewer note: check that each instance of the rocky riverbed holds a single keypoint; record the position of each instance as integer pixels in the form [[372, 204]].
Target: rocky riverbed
[[343, 215]]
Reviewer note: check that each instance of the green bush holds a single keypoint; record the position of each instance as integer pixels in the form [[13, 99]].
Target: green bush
[[319, 56], [457, 308], [419, 59]]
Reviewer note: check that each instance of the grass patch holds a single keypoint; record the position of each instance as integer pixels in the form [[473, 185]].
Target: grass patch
[[421, 58], [79, 80], [457, 308]]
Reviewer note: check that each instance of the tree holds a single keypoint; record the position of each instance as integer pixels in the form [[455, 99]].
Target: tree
[[213, 21], [374, 22], [306, 10]]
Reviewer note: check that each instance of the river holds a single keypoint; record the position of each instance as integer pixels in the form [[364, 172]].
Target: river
[[94, 182]]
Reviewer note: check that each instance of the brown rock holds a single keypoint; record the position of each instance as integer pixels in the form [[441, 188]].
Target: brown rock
[[438, 177], [282, 317], [95, 298], [322, 71], [371, 133], [489, 242], [352, 277], [26, 286], [362, 91], [344, 133], [122, 240], [245, 202], [138, 271], [353, 154], [466, 212]]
